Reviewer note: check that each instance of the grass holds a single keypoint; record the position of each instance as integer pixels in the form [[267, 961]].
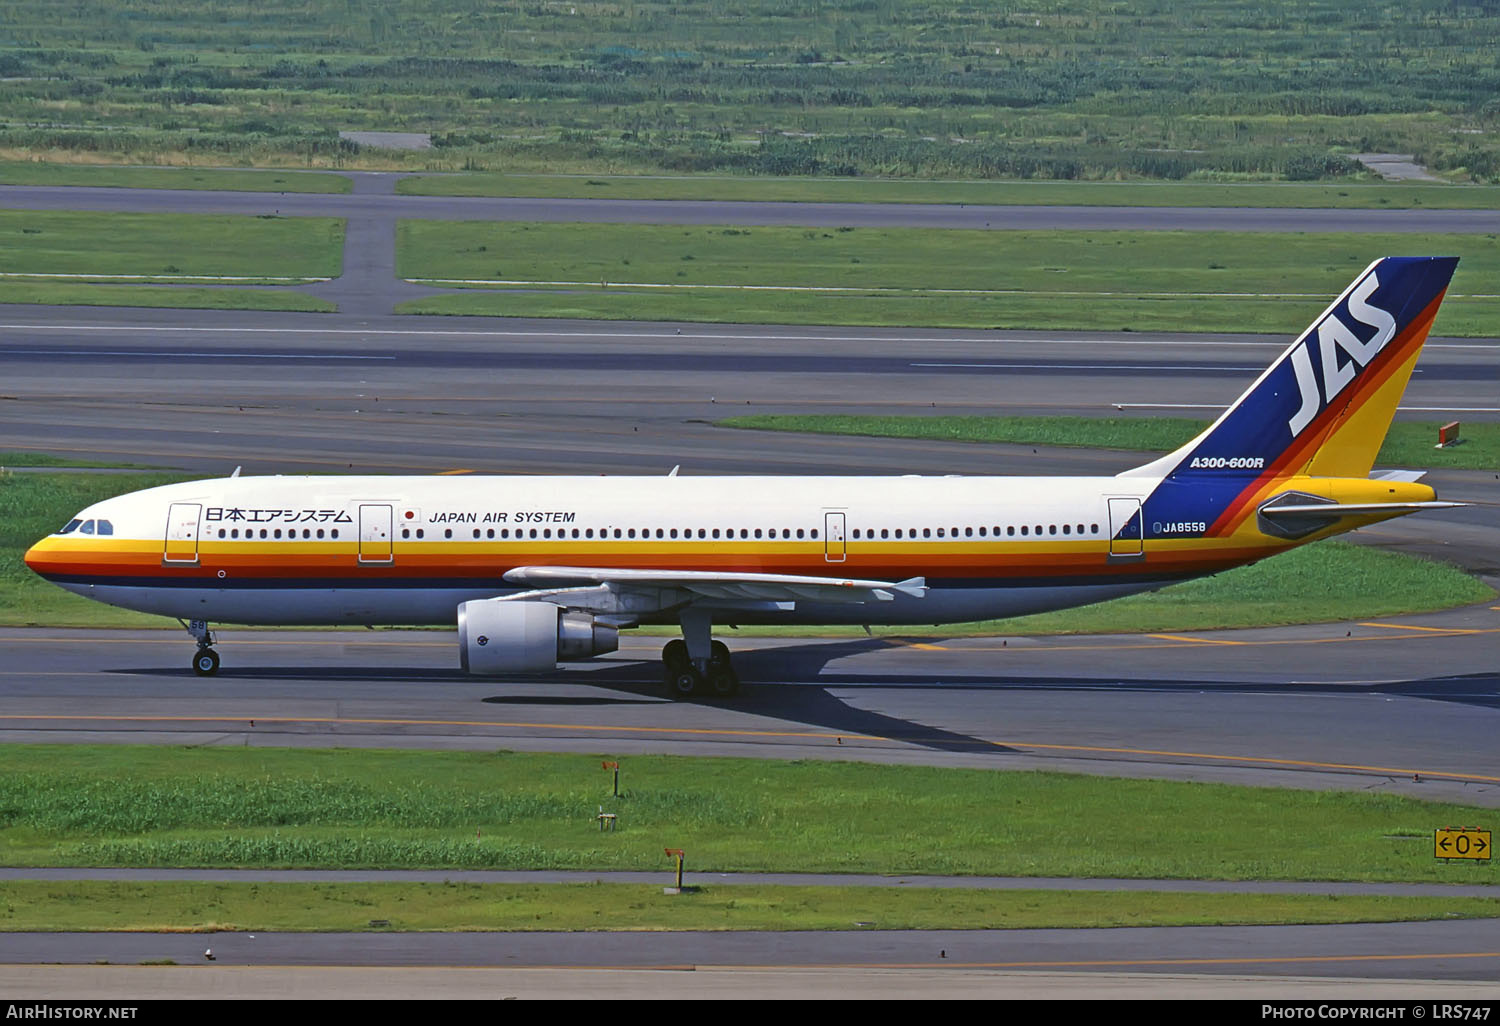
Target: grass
[[42, 459], [1407, 445], [77, 805], [1371, 196], [358, 907], [179, 297], [1326, 581], [36, 172], [95, 259], [1085, 280], [921, 88], [82, 244]]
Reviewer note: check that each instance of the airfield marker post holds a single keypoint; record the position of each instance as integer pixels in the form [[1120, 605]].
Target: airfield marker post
[[616, 767], [679, 855]]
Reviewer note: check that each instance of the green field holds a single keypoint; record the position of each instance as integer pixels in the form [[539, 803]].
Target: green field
[[14, 172], [1160, 281], [112, 805], [1409, 445], [183, 297], [345, 907], [1320, 582], [1357, 196], [170, 247], [1248, 90], [166, 260]]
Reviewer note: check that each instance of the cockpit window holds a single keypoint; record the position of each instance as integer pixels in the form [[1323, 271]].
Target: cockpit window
[[87, 528], [71, 526], [105, 527]]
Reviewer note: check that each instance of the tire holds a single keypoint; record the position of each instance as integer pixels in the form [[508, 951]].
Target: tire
[[674, 656], [722, 682], [206, 662], [683, 684]]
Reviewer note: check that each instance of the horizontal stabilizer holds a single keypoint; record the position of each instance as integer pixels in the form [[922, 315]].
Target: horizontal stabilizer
[[1351, 509], [1408, 476]]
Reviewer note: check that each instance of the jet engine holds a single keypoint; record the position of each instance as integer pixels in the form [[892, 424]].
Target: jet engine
[[496, 636]]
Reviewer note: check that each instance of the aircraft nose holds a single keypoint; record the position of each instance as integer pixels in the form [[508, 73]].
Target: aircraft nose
[[38, 558]]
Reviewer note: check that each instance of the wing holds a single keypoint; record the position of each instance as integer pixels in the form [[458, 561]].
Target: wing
[[705, 587]]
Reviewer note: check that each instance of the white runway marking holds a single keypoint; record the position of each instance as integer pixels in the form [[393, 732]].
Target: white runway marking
[[204, 356]]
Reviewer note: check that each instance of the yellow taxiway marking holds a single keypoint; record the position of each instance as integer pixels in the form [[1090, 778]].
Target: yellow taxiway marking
[[358, 721], [1104, 963], [1414, 627], [1018, 746], [1196, 641], [1258, 760], [457, 470], [904, 643]]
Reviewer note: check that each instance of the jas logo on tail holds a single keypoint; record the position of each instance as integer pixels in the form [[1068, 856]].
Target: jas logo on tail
[[1333, 335]]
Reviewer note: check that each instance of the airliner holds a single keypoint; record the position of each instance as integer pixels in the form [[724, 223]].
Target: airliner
[[538, 570]]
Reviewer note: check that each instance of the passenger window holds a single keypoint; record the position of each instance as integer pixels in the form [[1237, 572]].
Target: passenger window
[[447, 532], [320, 532], [885, 532], [420, 532], [1067, 529], [476, 532], [1023, 529]]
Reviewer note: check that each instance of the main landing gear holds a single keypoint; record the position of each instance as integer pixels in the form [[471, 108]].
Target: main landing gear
[[695, 665], [205, 660]]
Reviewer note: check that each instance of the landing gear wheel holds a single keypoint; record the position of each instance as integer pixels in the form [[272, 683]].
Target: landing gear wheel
[[722, 680], [684, 683], [674, 655], [206, 662], [681, 680]]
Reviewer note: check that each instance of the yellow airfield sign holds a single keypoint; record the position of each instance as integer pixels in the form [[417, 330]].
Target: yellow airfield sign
[[1461, 843]]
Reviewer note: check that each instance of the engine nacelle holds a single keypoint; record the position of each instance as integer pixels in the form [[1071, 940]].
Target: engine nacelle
[[496, 636]]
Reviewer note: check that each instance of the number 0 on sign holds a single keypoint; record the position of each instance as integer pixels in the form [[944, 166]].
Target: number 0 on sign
[[1461, 844]]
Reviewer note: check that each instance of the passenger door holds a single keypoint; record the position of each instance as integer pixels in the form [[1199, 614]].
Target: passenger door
[[181, 545]]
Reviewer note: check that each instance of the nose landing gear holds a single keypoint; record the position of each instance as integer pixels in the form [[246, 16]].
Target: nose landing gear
[[205, 660]]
